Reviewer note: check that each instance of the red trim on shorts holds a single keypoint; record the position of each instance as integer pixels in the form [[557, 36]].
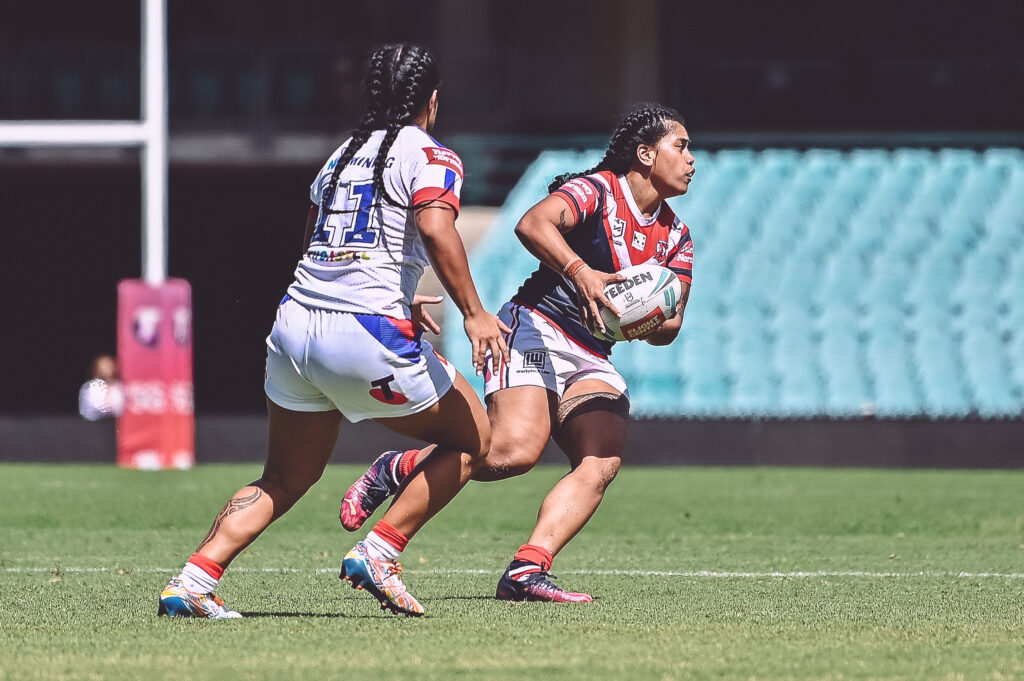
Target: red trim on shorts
[[207, 565], [560, 329], [406, 326]]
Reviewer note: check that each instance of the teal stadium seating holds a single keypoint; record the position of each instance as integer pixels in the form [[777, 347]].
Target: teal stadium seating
[[827, 283]]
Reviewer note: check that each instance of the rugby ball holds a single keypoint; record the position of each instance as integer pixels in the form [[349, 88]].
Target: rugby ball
[[645, 300]]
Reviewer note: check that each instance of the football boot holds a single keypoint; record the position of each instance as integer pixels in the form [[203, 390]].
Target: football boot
[[370, 491], [524, 581], [177, 601], [379, 578]]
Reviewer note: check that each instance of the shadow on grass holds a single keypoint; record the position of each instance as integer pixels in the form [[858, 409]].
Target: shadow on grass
[[458, 598], [329, 615]]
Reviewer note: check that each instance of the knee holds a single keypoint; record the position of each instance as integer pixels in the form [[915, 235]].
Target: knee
[[508, 461], [475, 456], [285, 485], [598, 472], [501, 470], [485, 445]]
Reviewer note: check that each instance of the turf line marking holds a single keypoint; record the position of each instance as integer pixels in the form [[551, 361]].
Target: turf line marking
[[628, 573]]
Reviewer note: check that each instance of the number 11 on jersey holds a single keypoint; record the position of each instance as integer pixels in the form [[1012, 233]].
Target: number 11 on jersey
[[359, 202]]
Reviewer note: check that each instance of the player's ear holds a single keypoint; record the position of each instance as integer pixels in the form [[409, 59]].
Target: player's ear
[[645, 155], [431, 110]]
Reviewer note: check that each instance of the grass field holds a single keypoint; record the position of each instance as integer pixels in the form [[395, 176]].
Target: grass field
[[698, 573]]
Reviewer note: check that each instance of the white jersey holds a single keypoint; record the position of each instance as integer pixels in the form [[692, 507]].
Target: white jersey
[[369, 258]]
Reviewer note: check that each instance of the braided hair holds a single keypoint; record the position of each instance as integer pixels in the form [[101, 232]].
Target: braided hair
[[399, 81], [645, 124]]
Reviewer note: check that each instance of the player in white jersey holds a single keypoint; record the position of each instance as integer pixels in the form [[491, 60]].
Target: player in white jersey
[[347, 339], [560, 379]]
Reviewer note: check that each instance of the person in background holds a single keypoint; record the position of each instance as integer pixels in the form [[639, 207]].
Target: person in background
[[101, 396]]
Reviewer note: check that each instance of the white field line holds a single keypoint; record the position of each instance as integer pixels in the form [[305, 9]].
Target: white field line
[[716, 574]]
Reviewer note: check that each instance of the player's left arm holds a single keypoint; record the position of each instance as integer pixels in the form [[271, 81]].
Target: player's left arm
[[669, 331]]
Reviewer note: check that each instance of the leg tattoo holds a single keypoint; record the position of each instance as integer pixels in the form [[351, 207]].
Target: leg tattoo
[[232, 506]]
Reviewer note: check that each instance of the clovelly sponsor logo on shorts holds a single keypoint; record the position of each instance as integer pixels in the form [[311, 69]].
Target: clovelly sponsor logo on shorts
[[534, 361]]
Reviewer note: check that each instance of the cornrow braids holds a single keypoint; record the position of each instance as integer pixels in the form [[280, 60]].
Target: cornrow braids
[[406, 103], [400, 79], [373, 86], [645, 124]]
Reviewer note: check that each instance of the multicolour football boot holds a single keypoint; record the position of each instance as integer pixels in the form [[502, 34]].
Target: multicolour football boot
[[177, 601], [380, 578], [370, 491], [525, 581]]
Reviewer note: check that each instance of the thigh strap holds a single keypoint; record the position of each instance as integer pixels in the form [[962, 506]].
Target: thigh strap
[[595, 401]]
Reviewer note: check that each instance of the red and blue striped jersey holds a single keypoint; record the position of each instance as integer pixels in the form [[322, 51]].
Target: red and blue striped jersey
[[610, 233]]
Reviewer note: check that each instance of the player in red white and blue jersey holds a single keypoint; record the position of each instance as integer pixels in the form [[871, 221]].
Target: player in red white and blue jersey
[[558, 380], [610, 233], [347, 339]]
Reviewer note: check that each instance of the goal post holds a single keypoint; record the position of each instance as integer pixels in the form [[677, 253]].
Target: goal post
[[156, 429]]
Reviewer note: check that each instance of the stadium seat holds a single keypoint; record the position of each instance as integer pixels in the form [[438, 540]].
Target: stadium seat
[[826, 283], [844, 275], [754, 395], [801, 391]]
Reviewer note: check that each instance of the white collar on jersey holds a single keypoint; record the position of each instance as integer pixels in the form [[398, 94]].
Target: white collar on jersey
[[631, 202]]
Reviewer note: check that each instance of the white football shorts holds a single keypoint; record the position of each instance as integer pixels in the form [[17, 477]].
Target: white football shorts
[[366, 366], [541, 354]]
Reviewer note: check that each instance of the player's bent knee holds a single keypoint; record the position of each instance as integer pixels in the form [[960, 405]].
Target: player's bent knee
[[503, 470], [598, 472], [286, 488], [505, 461]]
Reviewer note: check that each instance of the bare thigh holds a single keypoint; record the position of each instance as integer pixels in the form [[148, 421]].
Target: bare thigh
[[299, 445], [521, 420], [600, 434], [457, 421]]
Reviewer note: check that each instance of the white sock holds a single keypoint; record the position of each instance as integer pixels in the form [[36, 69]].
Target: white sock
[[197, 580], [380, 549]]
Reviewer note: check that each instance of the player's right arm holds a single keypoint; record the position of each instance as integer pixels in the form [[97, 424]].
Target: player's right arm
[[447, 253], [541, 231], [669, 331]]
